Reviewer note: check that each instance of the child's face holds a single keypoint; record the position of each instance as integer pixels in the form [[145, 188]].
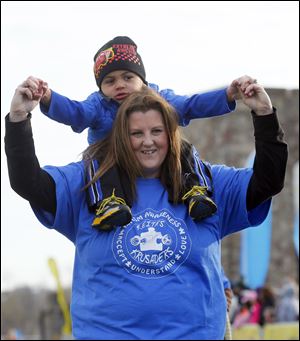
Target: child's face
[[118, 85]]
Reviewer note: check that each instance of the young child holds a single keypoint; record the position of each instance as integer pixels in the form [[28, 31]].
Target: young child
[[119, 71]]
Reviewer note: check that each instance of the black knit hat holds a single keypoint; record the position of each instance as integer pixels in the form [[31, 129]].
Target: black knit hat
[[119, 53]]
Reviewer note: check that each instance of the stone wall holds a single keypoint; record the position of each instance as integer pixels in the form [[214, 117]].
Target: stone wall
[[229, 139]]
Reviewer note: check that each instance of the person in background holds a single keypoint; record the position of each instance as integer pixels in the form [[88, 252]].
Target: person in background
[[228, 295], [288, 302]]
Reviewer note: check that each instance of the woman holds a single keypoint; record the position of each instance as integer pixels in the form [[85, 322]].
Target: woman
[[160, 276]]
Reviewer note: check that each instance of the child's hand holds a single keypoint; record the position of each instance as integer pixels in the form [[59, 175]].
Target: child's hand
[[239, 84], [46, 99]]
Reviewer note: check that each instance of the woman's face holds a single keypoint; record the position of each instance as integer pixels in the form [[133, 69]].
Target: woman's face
[[149, 140]]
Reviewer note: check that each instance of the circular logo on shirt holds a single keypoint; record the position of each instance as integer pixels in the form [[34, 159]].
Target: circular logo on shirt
[[153, 245]]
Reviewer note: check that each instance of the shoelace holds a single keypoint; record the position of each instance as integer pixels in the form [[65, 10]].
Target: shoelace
[[194, 191], [106, 201]]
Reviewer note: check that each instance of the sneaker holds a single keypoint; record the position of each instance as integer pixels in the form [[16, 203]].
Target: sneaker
[[200, 205], [112, 212]]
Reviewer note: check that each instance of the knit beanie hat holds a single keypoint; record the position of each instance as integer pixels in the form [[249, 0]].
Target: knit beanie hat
[[119, 53]]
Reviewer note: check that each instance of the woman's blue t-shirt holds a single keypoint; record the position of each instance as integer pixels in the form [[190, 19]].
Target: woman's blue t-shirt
[[159, 278]]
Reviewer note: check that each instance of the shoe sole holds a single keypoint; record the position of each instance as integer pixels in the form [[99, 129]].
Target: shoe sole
[[210, 210], [113, 221]]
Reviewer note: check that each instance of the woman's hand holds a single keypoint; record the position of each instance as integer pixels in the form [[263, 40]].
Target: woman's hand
[[256, 98], [26, 98]]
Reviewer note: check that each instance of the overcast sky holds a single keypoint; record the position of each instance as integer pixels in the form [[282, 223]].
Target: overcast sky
[[186, 46]]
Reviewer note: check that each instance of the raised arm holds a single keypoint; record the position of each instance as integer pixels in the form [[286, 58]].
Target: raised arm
[[25, 174], [271, 150], [207, 104], [77, 114]]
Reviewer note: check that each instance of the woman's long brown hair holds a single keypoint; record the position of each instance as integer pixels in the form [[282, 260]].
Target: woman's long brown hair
[[116, 149]]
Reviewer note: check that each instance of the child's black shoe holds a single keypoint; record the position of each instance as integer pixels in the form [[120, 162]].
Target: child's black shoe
[[200, 204], [112, 212]]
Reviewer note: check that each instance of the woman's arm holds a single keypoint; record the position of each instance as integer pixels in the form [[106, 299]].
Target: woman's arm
[[271, 150], [270, 160], [26, 176]]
